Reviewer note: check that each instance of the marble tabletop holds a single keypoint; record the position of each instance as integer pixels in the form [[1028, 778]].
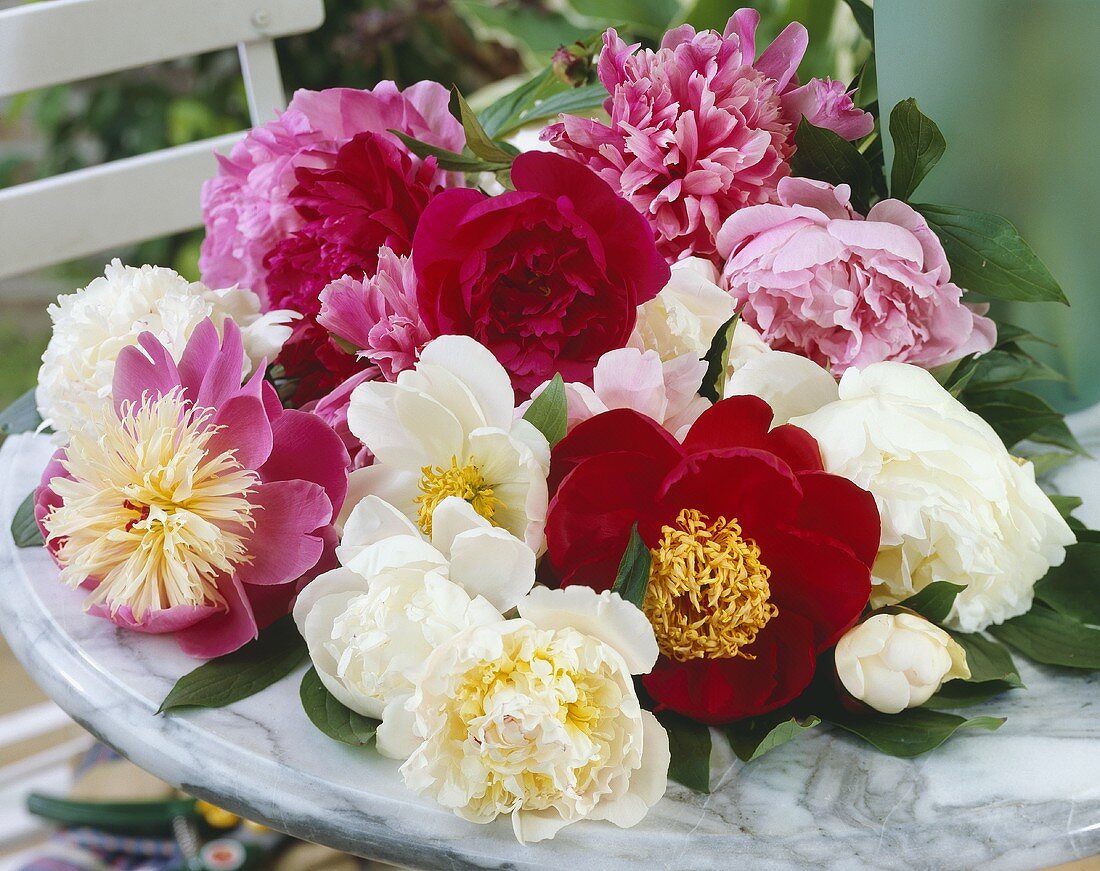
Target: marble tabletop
[[1026, 796]]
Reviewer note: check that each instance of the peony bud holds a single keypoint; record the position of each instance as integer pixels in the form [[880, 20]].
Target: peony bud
[[572, 65], [897, 661]]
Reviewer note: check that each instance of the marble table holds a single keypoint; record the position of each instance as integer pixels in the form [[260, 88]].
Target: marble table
[[1027, 796]]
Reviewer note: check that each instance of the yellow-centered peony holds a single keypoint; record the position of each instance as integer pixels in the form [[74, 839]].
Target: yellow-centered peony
[[466, 482], [708, 593]]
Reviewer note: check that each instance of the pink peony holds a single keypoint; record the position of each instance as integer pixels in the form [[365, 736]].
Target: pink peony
[[333, 410], [195, 505], [245, 206], [378, 315], [702, 127], [815, 277]]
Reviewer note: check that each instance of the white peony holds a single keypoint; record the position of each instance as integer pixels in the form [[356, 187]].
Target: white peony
[[91, 327], [897, 661], [447, 428], [684, 317], [537, 717], [955, 505]]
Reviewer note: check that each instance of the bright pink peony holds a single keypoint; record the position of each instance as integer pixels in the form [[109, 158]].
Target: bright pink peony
[[816, 278], [378, 315], [333, 410], [702, 127], [198, 506], [245, 207], [548, 277]]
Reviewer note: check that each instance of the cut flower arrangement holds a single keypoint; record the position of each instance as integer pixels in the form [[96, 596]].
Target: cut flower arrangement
[[558, 465]]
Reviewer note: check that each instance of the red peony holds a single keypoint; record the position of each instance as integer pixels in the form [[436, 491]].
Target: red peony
[[548, 276], [761, 560]]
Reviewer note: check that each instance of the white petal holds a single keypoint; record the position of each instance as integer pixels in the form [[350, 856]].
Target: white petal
[[791, 384], [452, 517], [395, 486], [647, 782], [494, 564], [372, 418], [533, 826], [429, 425], [397, 551], [479, 370], [396, 735], [371, 520], [327, 584], [317, 630]]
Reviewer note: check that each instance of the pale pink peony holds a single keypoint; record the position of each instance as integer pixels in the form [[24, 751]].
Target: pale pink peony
[[816, 278], [702, 127], [246, 208], [378, 315]]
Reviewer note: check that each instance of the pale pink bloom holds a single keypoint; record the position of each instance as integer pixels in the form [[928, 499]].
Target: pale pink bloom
[[378, 315], [701, 127], [246, 208], [816, 278], [333, 410], [631, 378]]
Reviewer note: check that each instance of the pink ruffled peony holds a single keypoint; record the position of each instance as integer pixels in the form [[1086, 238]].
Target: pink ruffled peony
[[702, 127], [815, 277], [246, 208], [378, 315], [196, 506]]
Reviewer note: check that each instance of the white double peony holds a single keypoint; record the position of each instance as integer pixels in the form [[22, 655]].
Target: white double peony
[[683, 318], [92, 325]]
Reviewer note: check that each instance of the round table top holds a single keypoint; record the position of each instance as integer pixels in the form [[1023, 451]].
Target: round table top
[[1026, 796]]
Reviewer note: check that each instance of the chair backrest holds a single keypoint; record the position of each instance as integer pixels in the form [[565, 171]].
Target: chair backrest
[[126, 201]]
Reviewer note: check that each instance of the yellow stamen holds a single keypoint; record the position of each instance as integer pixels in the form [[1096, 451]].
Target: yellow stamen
[[708, 591], [466, 482]]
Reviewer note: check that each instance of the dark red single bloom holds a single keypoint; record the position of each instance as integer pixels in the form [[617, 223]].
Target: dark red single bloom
[[548, 277], [797, 561]]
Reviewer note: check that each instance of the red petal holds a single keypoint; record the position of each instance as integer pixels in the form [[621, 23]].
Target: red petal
[[740, 421], [842, 510], [797, 447]]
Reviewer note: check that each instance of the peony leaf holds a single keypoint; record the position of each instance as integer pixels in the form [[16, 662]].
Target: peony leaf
[[987, 660], [549, 411], [1008, 364], [20, 416], [1066, 505], [331, 717], [752, 738], [477, 140], [451, 160], [501, 117], [689, 745], [632, 579], [582, 99], [1073, 588], [717, 359], [964, 693], [24, 529], [910, 733], [989, 257], [918, 147], [825, 156], [1016, 415], [934, 601], [1051, 637], [237, 675], [865, 18], [643, 17]]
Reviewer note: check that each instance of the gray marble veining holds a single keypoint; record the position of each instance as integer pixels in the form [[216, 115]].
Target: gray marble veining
[[1027, 796]]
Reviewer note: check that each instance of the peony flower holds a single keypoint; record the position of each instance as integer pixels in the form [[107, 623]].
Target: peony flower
[[897, 661], [333, 410], [820, 280], [377, 315], [371, 625], [685, 316], [548, 277], [955, 505], [246, 206], [194, 504], [93, 325], [629, 378], [537, 717], [760, 560], [702, 127], [446, 428]]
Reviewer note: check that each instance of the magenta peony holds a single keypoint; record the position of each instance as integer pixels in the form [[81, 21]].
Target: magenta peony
[[815, 277], [245, 206], [702, 127]]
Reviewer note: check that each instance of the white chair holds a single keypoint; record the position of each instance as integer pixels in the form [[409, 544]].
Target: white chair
[[152, 195]]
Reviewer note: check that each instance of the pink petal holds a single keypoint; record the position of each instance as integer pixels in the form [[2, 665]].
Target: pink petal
[[285, 542], [782, 57], [201, 350], [223, 631], [148, 369], [306, 448], [245, 430]]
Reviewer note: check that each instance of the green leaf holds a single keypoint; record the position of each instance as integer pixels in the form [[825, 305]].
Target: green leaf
[[1073, 588], [865, 17], [20, 416], [964, 693], [451, 160], [331, 717], [1050, 637], [717, 359], [260, 663], [1066, 505], [548, 413], [24, 530], [750, 739], [572, 101], [644, 17], [987, 660], [477, 140], [500, 117], [1016, 415], [825, 156], [632, 579], [689, 746], [1010, 334], [918, 147], [1008, 365], [989, 257], [910, 733], [1047, 462], [934, 601]]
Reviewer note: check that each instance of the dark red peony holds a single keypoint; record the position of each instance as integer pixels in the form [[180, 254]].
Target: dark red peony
[[372, 196], [761, 560], [548, 276]]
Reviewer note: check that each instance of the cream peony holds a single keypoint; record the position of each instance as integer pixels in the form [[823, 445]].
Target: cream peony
[[91, 327], [446, 428], [955, 505], [537, 717], [685, 315], [897, 661]]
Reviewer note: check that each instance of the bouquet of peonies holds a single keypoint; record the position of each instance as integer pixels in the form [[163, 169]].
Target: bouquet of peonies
[[677, 421]]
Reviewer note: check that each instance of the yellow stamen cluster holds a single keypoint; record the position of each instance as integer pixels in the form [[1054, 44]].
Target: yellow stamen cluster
[[708, 593], [149, 512], [466, 482]]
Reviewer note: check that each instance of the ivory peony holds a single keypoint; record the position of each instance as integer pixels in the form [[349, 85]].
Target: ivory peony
[[687, 313]]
